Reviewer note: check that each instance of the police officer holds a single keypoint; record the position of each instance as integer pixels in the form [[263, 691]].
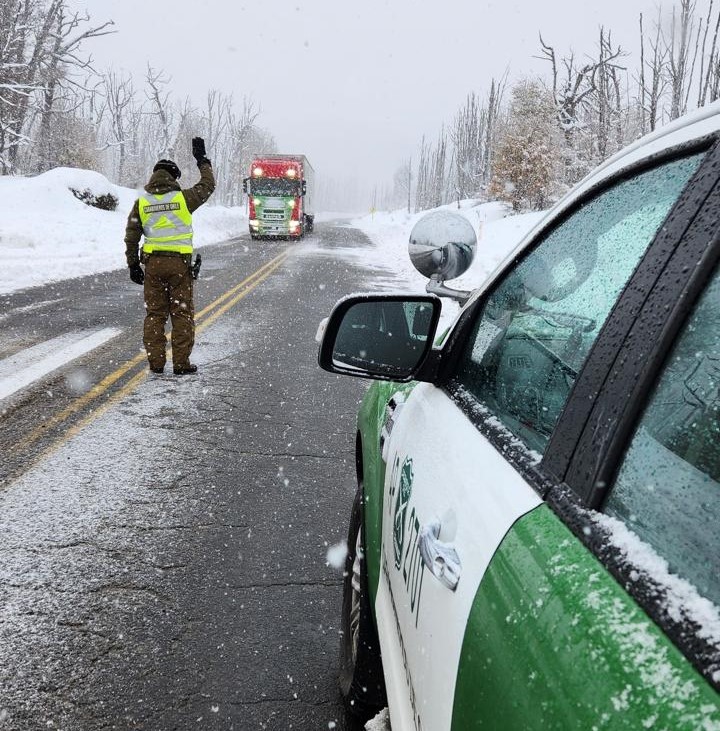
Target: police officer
[[164, 217]]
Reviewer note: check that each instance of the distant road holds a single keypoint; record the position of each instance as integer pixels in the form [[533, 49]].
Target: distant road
[[163, 540]]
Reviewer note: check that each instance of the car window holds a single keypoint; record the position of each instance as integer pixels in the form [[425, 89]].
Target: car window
[[537, 326], [668, 488]]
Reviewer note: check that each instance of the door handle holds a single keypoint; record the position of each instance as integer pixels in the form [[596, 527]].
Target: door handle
[[441, 559]]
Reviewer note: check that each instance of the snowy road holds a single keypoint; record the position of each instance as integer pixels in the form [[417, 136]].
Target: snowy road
[[163, 540]]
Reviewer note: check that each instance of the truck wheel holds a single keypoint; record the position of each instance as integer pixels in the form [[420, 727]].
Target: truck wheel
[[362, 685]]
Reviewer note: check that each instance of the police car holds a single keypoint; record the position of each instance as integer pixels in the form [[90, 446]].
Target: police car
[[535, 539]]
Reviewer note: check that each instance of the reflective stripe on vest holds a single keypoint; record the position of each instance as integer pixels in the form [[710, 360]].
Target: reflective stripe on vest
[[166, 223]]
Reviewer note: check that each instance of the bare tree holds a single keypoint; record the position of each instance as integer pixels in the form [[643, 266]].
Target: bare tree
[[402, 185], [62, 72], [472, 135], [572, 87], [40, 44], [159, 97], [23, 39], [608, 98], [244, 142], [422, 188], [709, 62], [122, 115], [678, 49], [653, 79]]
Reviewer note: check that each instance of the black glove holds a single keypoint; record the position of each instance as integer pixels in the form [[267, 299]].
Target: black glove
[[195, 268], [137, 274], [198, 150]]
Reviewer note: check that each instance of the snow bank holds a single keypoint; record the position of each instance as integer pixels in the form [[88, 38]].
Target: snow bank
[[47, 234]]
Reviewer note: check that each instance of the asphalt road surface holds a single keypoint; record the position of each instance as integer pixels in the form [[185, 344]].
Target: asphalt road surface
[[163, 540]]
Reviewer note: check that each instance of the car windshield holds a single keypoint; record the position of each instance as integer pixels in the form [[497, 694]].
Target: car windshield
[[274, 186]]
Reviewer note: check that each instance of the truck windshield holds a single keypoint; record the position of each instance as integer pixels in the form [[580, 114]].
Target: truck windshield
[[274, 186]]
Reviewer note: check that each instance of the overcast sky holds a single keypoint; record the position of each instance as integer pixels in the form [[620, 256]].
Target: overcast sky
[[354, 86]]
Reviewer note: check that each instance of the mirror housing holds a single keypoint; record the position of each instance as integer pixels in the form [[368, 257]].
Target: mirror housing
[[442, 246], [245, 185], [386, 337], [303, 188]]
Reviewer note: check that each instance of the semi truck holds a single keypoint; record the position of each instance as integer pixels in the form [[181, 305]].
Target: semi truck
[[280, 192]]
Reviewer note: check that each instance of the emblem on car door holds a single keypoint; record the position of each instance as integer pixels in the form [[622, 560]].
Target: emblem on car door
[[401, 505]]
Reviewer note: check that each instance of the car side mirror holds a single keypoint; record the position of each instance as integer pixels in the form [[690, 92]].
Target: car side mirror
[[384, 337], [442, 246], [304, 187], [245, 185]]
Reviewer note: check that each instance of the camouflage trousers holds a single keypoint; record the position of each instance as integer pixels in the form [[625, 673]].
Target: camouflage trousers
[[168, 292]]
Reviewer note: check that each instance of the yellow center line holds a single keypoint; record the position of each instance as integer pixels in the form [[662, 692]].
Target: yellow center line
[[249, 283], [222, 310], [279, 258]]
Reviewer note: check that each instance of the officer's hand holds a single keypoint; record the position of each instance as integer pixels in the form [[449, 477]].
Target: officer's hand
[[198, 149], [137, 274]]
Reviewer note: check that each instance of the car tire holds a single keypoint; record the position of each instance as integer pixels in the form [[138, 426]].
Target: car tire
[[362, 685]]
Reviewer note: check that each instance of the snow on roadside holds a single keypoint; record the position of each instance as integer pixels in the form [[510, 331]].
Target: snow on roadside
[[47, 234], [31, 364], [498, 232]]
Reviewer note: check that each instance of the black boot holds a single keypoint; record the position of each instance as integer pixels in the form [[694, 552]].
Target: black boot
[[185, 370]]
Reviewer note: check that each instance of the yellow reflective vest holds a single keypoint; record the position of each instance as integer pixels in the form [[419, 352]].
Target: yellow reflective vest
[[166, 223]]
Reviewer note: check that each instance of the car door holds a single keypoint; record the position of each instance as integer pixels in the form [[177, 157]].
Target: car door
[[656, 475], [466, 461]]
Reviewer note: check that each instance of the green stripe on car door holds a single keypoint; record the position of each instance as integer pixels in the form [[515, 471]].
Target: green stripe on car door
[[553, 642]]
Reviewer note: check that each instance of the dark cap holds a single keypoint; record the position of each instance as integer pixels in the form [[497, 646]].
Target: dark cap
[[168, 165]]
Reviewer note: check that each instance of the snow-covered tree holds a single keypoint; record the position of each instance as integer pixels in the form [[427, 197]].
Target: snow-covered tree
[[527, 159], [402, 189], [473, 135], [40, 53]]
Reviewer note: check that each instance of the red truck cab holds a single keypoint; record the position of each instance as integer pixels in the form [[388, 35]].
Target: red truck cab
[[279, 190]]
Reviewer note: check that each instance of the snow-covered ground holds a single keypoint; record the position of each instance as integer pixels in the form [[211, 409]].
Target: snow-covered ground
[[47, 234]]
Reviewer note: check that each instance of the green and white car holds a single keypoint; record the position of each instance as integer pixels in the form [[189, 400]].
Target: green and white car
[[535, 541]]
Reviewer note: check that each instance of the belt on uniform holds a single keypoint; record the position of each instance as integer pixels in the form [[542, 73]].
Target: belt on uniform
[[165, 253]]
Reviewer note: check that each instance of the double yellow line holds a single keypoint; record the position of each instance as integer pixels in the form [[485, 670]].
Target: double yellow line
[[203, 320]]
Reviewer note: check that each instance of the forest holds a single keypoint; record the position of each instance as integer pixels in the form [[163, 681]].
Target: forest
[[524, 140]]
